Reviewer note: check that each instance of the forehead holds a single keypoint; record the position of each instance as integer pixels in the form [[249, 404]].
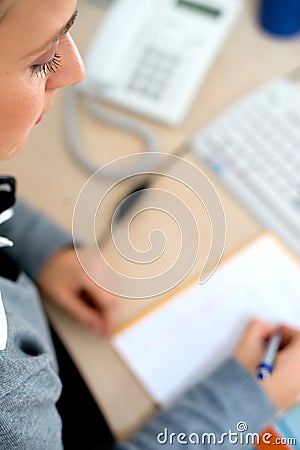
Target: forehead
[[29, 23], [5, 6]]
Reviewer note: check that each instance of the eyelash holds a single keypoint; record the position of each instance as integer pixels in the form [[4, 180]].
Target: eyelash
[[42, 70]]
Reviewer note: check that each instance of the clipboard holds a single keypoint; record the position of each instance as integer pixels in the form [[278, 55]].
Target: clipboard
[[181, 339]]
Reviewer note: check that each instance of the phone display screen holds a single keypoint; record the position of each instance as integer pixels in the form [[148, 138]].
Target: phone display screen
[[200, 7]]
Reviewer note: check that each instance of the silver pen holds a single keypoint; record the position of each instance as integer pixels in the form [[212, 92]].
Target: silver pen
[[265, 368]]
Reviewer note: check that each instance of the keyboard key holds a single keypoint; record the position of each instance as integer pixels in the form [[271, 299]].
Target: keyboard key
[[254, 147]]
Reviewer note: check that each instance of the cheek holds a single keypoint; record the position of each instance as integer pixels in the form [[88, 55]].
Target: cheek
[[20, 106]]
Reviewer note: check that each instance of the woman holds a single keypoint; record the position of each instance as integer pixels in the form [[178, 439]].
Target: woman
[[38, 56]]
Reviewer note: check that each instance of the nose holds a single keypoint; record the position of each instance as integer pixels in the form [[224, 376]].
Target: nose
[[72, 68]]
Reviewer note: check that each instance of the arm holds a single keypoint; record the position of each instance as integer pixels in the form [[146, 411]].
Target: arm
[[45, 252], [231, 395], [216, 405]]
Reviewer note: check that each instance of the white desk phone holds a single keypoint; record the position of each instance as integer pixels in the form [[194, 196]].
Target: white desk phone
[[151, 56]]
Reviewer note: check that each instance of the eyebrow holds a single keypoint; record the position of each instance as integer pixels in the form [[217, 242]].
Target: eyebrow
[[64, 30]]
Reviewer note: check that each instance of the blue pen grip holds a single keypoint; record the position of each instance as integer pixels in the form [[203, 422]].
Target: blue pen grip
[[264, 370]]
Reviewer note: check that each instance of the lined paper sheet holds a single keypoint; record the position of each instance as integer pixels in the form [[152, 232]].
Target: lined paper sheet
[[185, 338]]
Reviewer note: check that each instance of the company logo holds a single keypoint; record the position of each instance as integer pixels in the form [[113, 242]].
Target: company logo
[[161, 202]]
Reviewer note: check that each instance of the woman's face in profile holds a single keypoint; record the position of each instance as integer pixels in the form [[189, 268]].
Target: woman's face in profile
[[37, 57]]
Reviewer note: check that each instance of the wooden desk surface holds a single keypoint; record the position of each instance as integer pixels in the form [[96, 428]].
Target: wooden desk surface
[[248, 58]]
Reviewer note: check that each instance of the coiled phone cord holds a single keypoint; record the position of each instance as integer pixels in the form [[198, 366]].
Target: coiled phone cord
[[74, 141]]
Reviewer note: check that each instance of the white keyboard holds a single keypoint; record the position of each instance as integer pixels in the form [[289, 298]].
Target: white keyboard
[[254, 147]]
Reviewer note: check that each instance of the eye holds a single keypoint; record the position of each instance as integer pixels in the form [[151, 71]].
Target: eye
[[43, 69]]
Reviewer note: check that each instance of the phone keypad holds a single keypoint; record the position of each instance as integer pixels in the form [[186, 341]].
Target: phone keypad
[[151, 74]]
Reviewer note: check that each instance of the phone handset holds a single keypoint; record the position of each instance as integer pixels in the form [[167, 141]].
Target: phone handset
[[114, 39]]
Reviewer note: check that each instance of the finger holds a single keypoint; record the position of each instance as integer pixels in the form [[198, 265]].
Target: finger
[[258, 331], [75, 306], [104, 302], [252, 345], [288, 334], [105, 311]]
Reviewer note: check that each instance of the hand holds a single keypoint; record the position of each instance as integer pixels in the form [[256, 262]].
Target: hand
[[283, 386], [64, 281]]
